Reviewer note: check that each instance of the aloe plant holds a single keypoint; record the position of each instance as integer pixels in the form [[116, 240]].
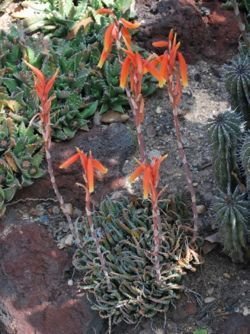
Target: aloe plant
[[125, 232]]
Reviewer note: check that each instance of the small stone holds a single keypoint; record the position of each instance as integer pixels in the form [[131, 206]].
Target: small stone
[[226, 275], [68, 208], [114, 117], [158, 110], [68, 241], [209, 300], [195, 184], [70, 282], [210, 291], [200, 209], [246, 311]]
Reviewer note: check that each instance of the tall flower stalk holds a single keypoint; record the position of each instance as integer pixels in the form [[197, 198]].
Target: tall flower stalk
[[43, 86], [117, 32], [89, 166], [133, 68], [151, 176], [172, 67]]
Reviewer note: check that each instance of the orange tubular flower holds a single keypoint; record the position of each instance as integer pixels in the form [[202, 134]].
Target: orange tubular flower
[[42, 85], [89, 166], [114, 32], [151, 177], [168, 60]]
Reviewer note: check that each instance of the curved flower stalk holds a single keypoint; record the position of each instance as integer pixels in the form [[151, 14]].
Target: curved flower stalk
[[43, 86], [151, 177], [89, 166], [118, 30], [172, 67]]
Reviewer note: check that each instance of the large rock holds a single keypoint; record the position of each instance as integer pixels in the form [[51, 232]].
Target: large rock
[[34, 294], [206, 31], [112, 145]]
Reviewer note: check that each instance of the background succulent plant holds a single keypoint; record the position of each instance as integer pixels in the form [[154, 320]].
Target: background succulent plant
[[237, 80], [245, 161], [233, 214], [126, 236], [20, 158], [224, 132]]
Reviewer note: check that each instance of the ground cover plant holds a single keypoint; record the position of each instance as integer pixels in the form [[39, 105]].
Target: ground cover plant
[[81, 89], [131, 253]]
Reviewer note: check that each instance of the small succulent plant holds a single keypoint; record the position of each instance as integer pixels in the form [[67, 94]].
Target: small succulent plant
[[20, 158], [233, 214], [125, 232], [237, 80], [224, 132]]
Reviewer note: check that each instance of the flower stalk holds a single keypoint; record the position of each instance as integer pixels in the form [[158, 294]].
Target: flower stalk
[[43, 87], [89, 166], [172, 67], [151, 177]]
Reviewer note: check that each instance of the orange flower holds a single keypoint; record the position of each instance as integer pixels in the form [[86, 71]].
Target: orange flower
[[151, 176], [168, 60], [42, 85], [114, 32], [89, 166], [103, 11]]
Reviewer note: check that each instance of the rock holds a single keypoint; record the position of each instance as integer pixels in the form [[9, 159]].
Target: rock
[[226, 275], [209, 300], [214, 32], [114, 117], [246, 311], [200, 209], [35, 298], [112, 146]]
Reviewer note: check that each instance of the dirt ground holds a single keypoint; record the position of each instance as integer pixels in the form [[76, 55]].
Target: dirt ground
[[217, 295]]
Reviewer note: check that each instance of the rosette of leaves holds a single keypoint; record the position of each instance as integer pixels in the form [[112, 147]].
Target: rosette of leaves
[[125, 233], [232, 215], [237, 80], [224, 131], [20, 158]]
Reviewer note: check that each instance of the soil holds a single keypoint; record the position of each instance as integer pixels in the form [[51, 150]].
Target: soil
[[217, 295]]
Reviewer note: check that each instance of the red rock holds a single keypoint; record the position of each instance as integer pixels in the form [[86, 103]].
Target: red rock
[[214, 36], [34, 294], [112, 145]]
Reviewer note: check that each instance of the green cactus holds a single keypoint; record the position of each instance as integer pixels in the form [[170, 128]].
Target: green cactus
[[245, 161], [237, 80], [232, 215], [126, 236], [224, 132]]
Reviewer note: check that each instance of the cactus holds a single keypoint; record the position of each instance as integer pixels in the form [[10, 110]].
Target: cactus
[[245, 161], [237, 80], [232, 215], [224, 131], [125, 232]]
